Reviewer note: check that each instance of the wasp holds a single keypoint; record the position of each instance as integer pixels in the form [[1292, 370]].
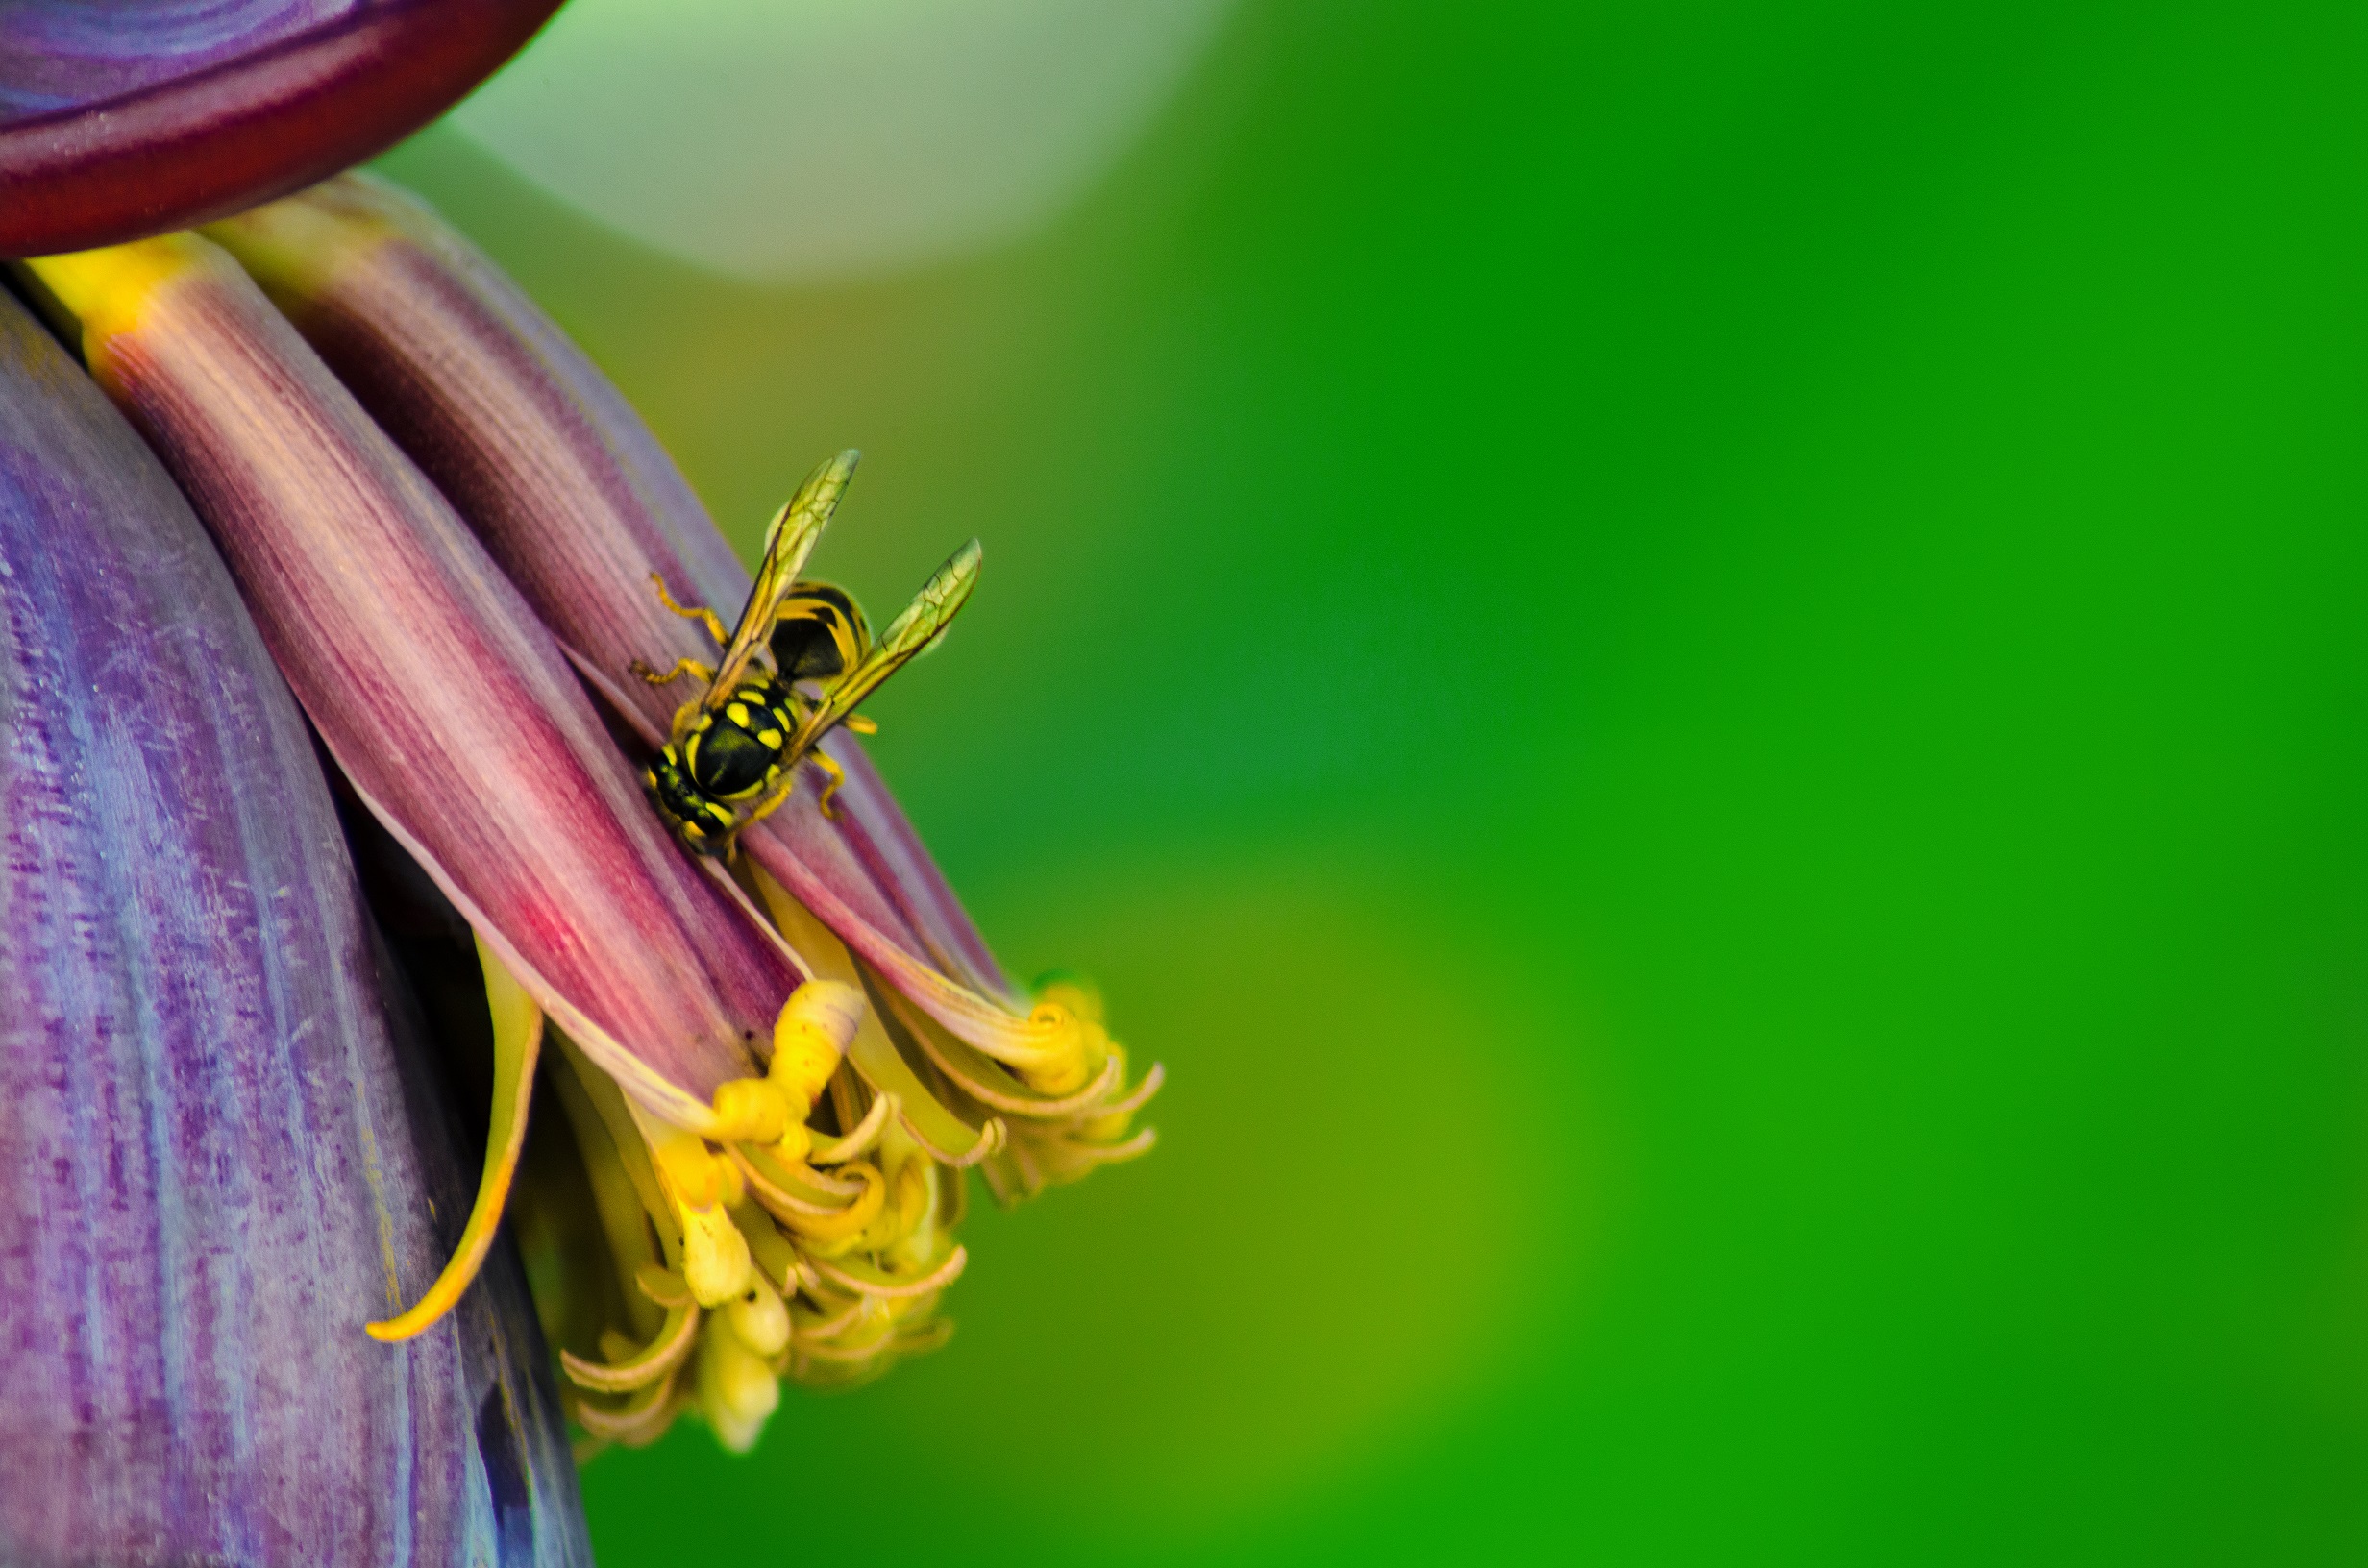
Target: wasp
[[793, 669]]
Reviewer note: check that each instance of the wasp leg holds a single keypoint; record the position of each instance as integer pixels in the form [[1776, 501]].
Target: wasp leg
[[835, 776], [700, 613], [789, 786], [858, 722], [682, 667]]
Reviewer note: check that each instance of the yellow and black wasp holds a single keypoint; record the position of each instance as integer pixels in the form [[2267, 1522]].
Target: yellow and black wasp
[[795, 665]]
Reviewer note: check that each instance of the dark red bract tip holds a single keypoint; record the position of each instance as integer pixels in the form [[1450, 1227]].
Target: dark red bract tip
[[135, 119]]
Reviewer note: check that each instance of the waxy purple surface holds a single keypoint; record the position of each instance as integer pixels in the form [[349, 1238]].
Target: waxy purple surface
[[130, 117], [214, 1163]]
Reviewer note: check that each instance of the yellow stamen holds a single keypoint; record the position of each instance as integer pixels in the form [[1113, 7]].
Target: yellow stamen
[[750, 1111], [685, 1168], [759, 1319], [808, 1038], [517, 1041], [715, 1256], [811, 1035], [737, 1391], [948, 1138]]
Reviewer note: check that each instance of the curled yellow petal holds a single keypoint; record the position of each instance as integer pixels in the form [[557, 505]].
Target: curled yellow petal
[[810, 1329], [661, 1356], [662, 1285], [854, 1274], [911, 1198], [774, 1257], [793, 1190], [850, 1221], [517, 1041], [837, 1151], [948, 1140], [642, 1421]]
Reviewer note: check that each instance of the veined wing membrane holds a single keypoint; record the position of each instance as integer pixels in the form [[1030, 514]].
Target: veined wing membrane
[[788, 542], [923, 620]]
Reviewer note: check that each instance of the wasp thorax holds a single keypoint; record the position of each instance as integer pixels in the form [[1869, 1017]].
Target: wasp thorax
[[735, 750], [728, 759]]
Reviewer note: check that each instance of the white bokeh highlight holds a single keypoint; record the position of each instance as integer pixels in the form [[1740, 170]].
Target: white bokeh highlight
[[812, 140]]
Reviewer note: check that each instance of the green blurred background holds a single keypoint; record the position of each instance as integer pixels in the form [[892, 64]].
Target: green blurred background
[[1700, 669]]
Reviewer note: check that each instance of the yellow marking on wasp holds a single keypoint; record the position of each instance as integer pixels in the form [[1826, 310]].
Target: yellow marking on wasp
[[738, 714], [767, 737]]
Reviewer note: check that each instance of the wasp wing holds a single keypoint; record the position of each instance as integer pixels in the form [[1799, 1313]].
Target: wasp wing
[[923, 620], [788, 541]]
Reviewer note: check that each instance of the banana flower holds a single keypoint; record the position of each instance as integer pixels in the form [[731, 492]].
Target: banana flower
[[773, 1072], [770, 1069], [223, 1148]]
